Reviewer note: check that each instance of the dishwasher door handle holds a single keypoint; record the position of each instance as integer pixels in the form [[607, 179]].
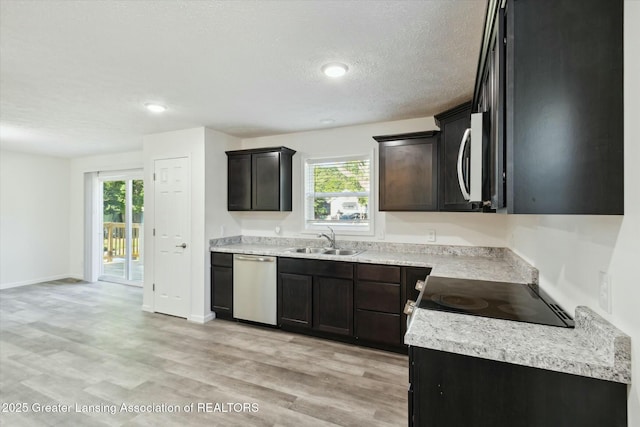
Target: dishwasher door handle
[[256, 259]]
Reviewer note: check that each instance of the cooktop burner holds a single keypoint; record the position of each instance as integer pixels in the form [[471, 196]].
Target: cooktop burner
[[500, 300]]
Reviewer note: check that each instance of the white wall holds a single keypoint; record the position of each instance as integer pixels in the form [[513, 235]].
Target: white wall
[[218, 221], [78, 167], [570, 251], [406, 227], [34, 218]]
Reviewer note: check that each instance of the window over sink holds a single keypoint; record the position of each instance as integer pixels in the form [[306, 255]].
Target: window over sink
[[337, 193]]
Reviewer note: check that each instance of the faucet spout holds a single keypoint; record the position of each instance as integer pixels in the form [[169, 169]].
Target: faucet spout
[[331, 239]]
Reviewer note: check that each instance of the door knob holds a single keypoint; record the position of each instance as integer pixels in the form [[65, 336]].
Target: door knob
[[183, 246]]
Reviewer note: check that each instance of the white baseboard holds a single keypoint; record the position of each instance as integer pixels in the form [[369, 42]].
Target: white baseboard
[[147, 308], [196, 318], [34, 281]]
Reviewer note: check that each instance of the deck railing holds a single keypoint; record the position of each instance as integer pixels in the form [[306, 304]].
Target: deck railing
[[115, 240]]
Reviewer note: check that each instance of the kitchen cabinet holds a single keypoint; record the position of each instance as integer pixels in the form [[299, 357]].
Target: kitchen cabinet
[[222, 284], [357, 303], [381, 291], [408, 171], [259, 179], [315, 294], [448, 389], [377, 304], [295, 297], [452, 124], [550, 76]]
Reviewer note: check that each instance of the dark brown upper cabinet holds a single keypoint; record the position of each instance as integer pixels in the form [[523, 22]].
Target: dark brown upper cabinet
[[550, 76], [259, 179], [409, 171], [452, 124]]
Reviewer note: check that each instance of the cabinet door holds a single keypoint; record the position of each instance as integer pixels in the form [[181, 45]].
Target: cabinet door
[[266, 181], [222, 291], [409, 175], [239, 182], [295, 300], [333, 305], [499, 394], [565, 142]]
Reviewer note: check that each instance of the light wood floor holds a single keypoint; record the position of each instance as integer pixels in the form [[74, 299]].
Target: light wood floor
[[90, 344]]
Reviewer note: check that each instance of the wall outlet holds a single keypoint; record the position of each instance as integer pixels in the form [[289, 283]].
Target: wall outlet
[[431, 235], [222, 231], [604, 291], [278, 230]]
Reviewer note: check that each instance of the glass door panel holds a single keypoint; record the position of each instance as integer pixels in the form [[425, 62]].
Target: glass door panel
[[114, 230], [136, 272], [122, 219]]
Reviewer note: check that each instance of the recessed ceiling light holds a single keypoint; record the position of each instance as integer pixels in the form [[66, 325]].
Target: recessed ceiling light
[[327, 121], [155, 108], [335, 69]]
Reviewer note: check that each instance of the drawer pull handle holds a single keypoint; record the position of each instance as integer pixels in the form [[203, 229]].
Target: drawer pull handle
[[420, 285]]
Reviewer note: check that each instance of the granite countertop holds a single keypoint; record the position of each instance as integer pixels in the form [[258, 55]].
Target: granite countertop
[[480, 263], [595, 348]]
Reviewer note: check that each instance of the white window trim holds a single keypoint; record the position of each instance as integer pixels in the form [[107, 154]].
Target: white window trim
[[341, 229]]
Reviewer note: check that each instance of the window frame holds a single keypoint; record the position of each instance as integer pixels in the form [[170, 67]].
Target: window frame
[[346, 229]]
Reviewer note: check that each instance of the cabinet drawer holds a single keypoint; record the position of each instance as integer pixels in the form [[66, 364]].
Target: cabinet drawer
[[378, 296], [379, 273], [221, 260], [337, 269], [378, 327]]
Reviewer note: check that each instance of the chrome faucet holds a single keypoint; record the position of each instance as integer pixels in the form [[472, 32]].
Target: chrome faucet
[[331, 239]]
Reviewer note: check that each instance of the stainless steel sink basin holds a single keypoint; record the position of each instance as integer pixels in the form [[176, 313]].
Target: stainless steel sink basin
[[307, 250], [341, 252]]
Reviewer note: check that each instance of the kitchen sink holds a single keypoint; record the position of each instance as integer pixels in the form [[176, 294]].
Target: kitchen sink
[[307, 250], [341, 252], [324, 251]]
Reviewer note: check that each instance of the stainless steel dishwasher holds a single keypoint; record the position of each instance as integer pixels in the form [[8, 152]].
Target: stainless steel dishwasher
[[255, 288]]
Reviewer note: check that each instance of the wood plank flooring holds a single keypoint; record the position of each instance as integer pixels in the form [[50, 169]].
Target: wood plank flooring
[[91, 345]]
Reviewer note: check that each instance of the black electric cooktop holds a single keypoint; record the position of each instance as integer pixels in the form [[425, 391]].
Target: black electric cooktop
[[499, 300]]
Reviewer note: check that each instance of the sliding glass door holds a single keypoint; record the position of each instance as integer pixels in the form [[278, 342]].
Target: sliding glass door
[[122, 227]]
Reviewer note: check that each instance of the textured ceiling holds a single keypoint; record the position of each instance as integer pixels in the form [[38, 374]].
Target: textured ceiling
[[74, 75]]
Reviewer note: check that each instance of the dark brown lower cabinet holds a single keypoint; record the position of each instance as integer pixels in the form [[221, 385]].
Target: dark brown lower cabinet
[[316, 295], [333, 305], [295, 300], [453, 390], [378, 327], [377, 304], [222, 284]]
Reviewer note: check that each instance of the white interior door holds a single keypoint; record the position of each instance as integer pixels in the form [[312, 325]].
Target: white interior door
[[172, 246]]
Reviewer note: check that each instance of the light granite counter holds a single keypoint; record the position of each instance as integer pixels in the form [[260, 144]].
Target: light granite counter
[[595, 348], [464, 262]]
